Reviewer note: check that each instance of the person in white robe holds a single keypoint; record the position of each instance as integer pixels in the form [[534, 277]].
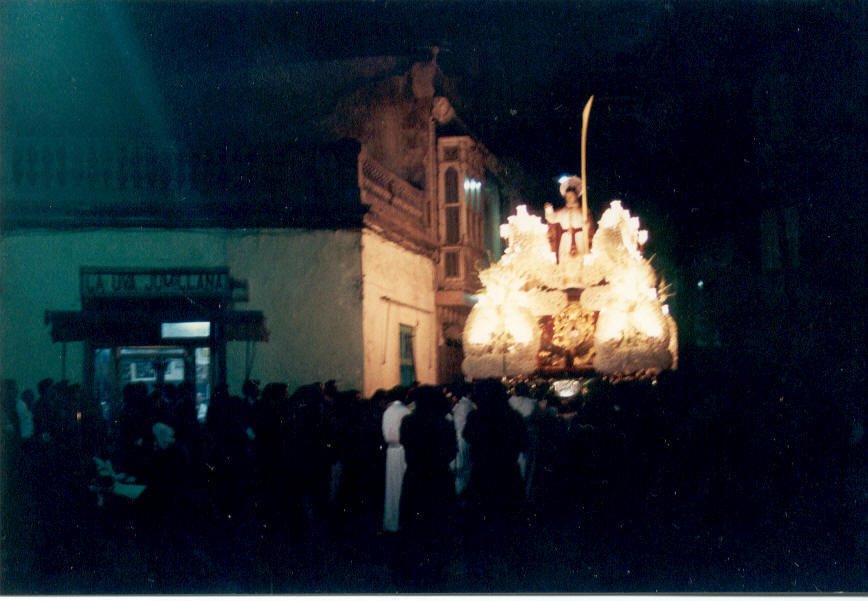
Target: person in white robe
[[395, 464]]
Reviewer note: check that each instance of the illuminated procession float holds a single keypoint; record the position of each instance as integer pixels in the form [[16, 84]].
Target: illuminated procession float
[[567, 299]]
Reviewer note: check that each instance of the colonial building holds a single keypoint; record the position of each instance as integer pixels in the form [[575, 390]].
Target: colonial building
[[349, 255]]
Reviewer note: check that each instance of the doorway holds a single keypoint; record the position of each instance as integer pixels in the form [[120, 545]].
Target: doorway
[[153, 366]]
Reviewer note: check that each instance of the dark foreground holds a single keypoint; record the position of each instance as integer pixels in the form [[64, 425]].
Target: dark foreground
[[719, 487]]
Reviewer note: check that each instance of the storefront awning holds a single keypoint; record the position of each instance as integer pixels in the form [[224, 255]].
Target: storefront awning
[[143, 327]]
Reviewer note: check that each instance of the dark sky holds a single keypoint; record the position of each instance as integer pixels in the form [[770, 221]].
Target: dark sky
[[701, 108]]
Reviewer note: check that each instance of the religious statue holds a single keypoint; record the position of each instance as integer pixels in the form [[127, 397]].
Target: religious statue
[[569, 230], [602, 311]]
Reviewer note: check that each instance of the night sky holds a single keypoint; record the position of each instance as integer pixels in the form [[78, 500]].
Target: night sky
[[705, 113]]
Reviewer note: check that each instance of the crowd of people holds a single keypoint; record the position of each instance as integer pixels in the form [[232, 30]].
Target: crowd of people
[[480, 486]]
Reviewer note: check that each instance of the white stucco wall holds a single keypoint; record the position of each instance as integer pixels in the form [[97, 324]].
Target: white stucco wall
[[305, 282], [407, 280], [308, 285]]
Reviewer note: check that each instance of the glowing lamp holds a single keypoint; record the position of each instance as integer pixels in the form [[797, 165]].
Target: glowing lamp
[[185, 329], [472, 184], [566, 388]]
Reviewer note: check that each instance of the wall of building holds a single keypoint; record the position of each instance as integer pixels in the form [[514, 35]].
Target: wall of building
[[305, 282], [398, 288], [308, 285]]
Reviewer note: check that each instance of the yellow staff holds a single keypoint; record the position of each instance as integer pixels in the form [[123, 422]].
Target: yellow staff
[[585, 114]]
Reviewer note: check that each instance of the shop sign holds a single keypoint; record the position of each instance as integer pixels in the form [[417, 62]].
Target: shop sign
[[137, 283]]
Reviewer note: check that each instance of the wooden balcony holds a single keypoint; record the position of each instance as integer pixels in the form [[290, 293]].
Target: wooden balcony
[[60, 182], [396, 209]]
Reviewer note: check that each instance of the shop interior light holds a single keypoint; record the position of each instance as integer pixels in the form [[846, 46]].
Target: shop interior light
[[185, 329]]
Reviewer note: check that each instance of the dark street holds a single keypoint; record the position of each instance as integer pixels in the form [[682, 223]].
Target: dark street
[[664, 487]]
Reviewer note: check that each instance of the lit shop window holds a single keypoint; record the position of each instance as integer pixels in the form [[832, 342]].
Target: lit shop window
[[185, 329]]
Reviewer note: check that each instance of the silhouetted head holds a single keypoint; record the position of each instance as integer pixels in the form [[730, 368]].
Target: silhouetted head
[[250, 389], [397, 393], [135, 395], [380, 398], [330, 389], [490, 395], [274, 394], [430, 401], [308, 395], [44, 386], [458, 390]]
